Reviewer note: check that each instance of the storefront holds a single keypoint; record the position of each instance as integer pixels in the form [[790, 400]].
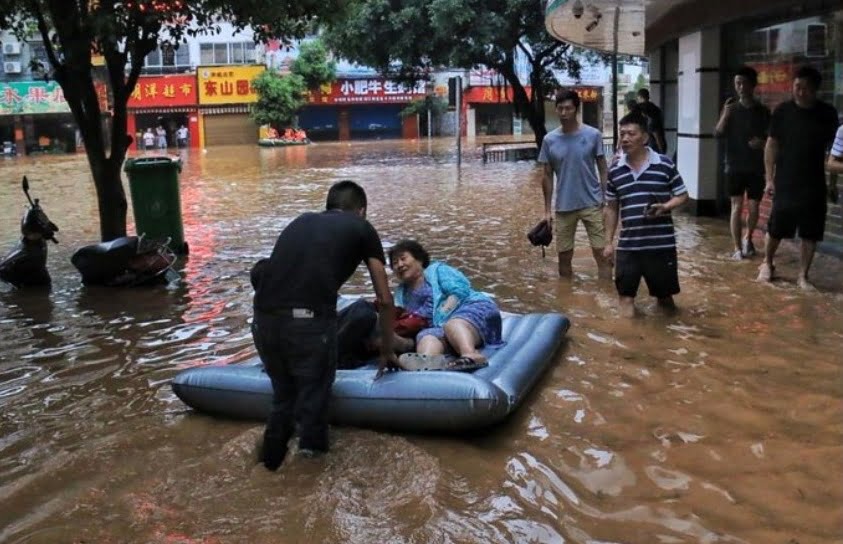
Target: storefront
[[225, 93], [169, 102], [36, 118], [488, 110], [361, 109]]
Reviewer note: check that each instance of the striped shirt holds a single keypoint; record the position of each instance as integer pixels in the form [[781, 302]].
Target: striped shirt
[[837, 146], [657, 182]]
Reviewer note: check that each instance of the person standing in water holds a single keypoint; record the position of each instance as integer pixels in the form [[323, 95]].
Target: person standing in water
[[295, 324], [643, 188], [801, 133], [574, 154], [744, 123]]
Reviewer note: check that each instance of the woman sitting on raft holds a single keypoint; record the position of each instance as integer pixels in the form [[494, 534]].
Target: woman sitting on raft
[[462, 320]]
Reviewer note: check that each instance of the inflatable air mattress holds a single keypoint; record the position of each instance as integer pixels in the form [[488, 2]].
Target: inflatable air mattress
[[404, 401]]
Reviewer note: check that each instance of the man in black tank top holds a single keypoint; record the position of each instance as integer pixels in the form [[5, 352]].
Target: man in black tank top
[[295, 326]]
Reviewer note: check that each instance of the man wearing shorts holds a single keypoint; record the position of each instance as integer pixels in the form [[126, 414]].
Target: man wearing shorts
[[744, 124], [801, 132], [643, 188], [574, 153]]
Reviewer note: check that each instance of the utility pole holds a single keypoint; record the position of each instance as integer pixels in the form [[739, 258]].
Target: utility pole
[[459, 119]]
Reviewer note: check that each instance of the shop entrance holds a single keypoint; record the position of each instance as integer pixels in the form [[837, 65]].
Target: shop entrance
[[170, 121]]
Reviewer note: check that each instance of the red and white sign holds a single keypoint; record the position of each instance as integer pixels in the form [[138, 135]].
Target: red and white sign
[[366, 91], [157, 91]]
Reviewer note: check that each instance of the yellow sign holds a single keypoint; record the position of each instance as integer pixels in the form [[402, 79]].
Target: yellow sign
[[227, 84]]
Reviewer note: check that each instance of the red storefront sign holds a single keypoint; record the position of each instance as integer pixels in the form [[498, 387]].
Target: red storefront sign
[[157, 91], [774, 77], [366, 91], [490, 94], [587, 94]]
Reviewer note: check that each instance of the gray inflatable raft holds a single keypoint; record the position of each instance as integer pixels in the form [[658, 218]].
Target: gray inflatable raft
[[403, 401]]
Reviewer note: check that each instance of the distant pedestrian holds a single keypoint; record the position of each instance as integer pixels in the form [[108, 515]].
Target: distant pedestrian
[[801, 133], [744, 123], [574, 154], [161, 137], [148, 139], [642, 189], [656, 120], [181, 136]]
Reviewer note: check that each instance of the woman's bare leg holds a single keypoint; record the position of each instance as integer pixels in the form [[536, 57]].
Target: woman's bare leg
[[464, 338]]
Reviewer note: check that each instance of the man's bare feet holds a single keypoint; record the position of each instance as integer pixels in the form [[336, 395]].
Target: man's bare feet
[[803, 283], [765, 272]]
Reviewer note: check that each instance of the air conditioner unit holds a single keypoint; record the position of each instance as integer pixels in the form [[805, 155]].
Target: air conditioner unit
[[11, 48], [11, 67]]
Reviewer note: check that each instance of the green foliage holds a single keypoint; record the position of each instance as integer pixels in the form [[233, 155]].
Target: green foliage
[[313, 64], [279, 98], [408, 38], [436, 105]]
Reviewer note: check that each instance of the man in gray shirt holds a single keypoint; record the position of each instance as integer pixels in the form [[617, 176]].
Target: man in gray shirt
[[574, 153]]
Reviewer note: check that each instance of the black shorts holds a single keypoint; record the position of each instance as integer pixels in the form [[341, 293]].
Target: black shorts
[[656, 266], [750, 183], [807, 220]]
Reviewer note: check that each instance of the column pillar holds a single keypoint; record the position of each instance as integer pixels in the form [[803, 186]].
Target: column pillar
[[698, 82]]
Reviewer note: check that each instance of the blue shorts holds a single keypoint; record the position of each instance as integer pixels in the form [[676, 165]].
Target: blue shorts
[[483, 315]]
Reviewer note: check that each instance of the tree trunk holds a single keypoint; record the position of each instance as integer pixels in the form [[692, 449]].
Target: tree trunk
[[111, 199], [533, 105]]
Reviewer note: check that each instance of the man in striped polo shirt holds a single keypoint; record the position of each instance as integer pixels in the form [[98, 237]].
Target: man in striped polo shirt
[[643, 187]]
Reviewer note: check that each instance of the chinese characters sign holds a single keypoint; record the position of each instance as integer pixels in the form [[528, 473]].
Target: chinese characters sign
[[774, 77], [32, 97], [588, 94], [164, 91], [227, 84], [489, 95], [366, 91]]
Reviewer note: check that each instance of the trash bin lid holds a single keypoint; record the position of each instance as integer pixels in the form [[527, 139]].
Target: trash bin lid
[[151, 161]]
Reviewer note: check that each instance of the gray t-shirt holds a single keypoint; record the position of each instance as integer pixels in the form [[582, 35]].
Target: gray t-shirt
[[573, 159]]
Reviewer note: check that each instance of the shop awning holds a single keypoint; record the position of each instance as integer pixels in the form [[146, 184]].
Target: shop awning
[[214, 110], [603, 25], [178, 109]]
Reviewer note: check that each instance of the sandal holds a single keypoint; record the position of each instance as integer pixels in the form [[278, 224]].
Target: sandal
[[466, 364], [420, 361]]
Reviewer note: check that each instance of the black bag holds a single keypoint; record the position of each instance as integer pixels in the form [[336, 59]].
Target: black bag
[[541, 235]]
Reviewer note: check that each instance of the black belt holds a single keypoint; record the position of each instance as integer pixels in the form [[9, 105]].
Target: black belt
[[301, 312]]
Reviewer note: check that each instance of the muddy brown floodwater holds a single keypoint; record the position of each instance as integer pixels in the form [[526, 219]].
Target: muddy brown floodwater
[[723, 423]]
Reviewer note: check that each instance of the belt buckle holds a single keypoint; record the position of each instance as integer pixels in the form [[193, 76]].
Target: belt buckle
[[302, 313]]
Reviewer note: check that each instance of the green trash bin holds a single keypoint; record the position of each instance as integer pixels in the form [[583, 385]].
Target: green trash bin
[[154, 185]]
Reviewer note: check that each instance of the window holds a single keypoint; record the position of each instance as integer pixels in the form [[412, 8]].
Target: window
[[227, 53], [168, 58], [39, 54], [815, 45]]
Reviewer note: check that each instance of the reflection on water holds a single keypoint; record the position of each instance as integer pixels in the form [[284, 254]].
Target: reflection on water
[[718, 424]]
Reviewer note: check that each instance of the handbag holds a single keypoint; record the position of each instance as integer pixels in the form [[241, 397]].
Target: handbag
[[541, 235]]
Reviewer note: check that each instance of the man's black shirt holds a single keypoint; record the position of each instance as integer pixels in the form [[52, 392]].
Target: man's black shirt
[[313, 257], [804, 136], [655, 125], [743, 125]]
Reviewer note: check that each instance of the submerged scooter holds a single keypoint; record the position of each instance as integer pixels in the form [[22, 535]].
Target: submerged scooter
[[129, 261], [26, 264]]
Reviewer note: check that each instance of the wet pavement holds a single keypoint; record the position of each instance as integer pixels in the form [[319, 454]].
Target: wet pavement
[[721, 423]]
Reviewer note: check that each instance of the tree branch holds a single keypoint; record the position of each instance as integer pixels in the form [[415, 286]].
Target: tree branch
[[59, 71]]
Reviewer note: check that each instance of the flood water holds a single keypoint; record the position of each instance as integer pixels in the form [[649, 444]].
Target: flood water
[[722, 423]]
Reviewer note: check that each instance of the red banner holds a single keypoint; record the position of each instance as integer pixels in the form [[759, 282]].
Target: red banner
[[774, 77], [366, 91], [157, 91]]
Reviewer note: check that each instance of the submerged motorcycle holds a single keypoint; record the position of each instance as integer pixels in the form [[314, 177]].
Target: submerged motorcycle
[[128, 261], [26, 264]]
